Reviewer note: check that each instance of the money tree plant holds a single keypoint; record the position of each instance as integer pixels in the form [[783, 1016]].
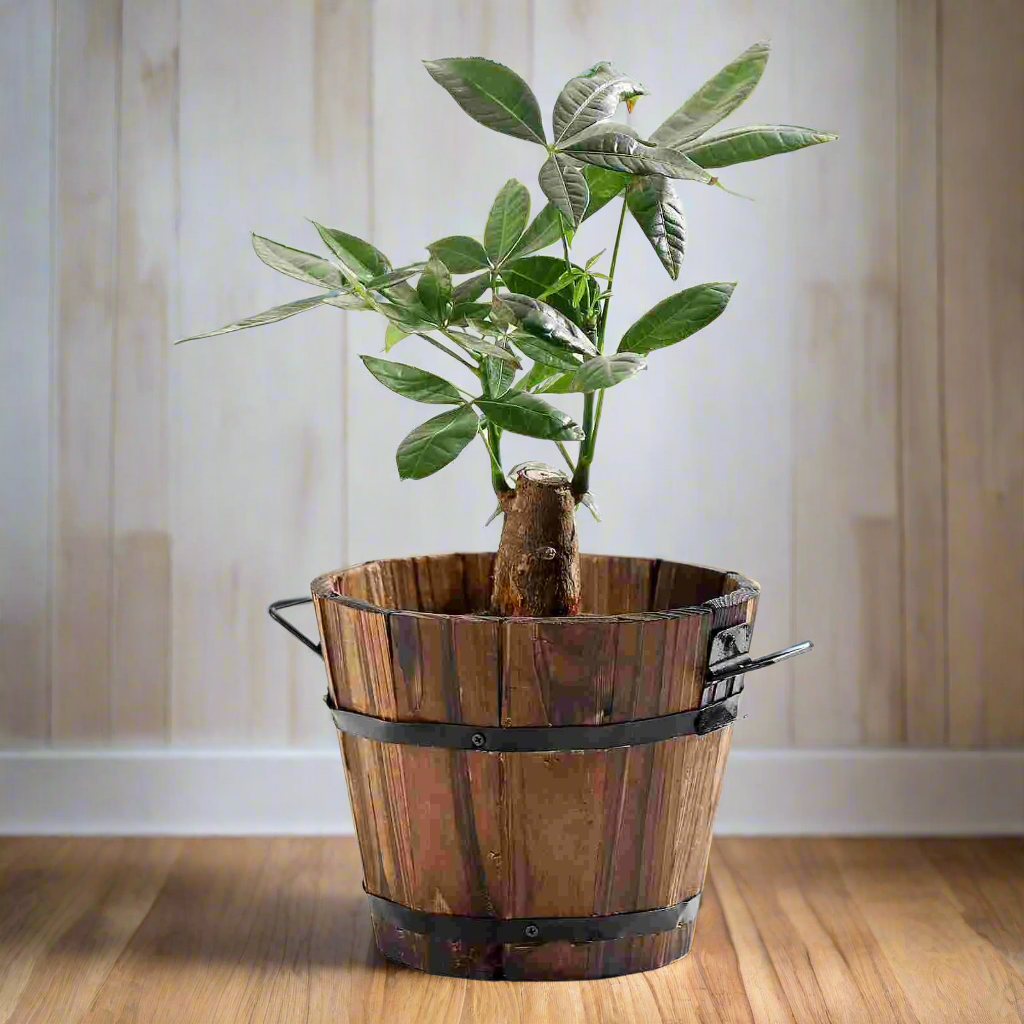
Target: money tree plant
[[519, 324]]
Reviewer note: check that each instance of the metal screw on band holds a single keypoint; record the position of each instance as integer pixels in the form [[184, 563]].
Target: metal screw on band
[[531, 931], [478, 739]]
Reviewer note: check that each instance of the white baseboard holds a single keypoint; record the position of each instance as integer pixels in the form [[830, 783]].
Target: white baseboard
[[873, 792], [302, 792]]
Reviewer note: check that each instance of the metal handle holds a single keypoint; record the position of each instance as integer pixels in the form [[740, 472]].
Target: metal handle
[[291, 602], [743, 663], [738, 665]]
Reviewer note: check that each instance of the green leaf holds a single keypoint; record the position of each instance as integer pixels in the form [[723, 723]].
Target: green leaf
[[542, 321], [607, 371], [618, 152], [471, 289], [656, 208], [435, 289], [507, 220], [536, 377], [492, 94], [485, 327], [557, 385], [604, 127], [564, 185], [303, 266], [499, 373], [677, 317], [393, 334], [388, 282], [545, 229], [459, 253], [549, 353], [718, 97], [359, 258], [754, 142], [522, 413], [268, 316], [348, 300], [591, 97], [412, 382], [482, 348], [403, 293], [410, 319], [604, 186], [534, 275], [432, 445], [469, 311], [407, 299]]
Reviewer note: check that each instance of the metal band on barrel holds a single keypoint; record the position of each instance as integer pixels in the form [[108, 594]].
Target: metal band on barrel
[[484, 930], [453, 736]]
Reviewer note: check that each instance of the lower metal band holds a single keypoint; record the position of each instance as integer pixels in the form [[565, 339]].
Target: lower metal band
[[483, 930]]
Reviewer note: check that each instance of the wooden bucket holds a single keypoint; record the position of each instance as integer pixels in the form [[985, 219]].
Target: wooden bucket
[[486, 862]]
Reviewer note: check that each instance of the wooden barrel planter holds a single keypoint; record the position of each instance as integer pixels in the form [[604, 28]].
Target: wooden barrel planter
[[533, 798]]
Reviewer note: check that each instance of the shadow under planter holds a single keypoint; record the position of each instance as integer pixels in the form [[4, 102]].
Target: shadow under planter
[[534, 798]]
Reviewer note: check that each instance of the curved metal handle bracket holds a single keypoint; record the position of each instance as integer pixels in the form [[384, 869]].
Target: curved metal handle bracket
[[274, 612], [743, 663], [738, 664]]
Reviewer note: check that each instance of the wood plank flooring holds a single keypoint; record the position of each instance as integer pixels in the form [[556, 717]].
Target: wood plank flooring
[[211, 931]]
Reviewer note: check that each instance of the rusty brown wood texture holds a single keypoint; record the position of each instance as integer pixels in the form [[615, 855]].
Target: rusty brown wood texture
[[552, 834]]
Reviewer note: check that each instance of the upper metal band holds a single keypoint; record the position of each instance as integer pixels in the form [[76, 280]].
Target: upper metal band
[[640, 731]]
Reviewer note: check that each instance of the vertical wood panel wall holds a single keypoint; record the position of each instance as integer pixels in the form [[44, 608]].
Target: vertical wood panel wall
[[153, 500]]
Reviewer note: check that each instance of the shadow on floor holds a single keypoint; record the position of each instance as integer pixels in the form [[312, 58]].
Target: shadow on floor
[[270, 912]]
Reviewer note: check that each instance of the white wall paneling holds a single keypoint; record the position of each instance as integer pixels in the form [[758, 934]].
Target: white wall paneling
[[850, 433]]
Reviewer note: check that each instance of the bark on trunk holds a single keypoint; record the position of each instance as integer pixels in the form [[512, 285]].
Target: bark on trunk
[[537, 569]]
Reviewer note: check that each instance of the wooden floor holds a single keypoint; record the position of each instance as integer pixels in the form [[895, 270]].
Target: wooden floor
[[277, 931]]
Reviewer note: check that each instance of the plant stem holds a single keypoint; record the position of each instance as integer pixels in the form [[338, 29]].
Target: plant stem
[[493, 446], [581, 476], [566, 456], [565, 249], [597, 419], [611, 278], [492, 442]]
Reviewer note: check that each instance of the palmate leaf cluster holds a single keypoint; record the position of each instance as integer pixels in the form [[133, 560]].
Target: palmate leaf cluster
[[513, 304]]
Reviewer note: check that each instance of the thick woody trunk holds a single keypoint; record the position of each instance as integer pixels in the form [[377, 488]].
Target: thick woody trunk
[[537, 569]]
